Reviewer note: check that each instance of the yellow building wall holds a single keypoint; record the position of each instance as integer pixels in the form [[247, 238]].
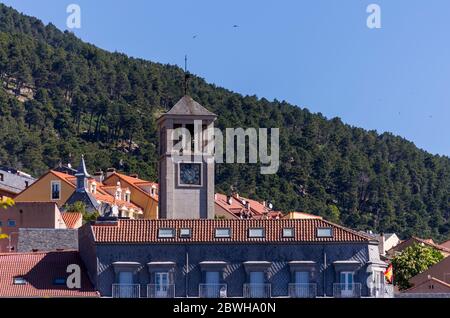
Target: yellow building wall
[[40, 191], [146, 202]]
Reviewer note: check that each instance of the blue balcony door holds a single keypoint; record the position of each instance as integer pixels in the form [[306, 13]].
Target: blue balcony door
[[347, 284], [126, 287], [212, 284], [162, 284], [257, 284], [302, 284]]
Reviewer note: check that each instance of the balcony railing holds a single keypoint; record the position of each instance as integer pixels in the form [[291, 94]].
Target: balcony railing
[[126, 290], [160, 291], [302, 290], [257, 291], [212, 290], [347, 290], [382, 291]]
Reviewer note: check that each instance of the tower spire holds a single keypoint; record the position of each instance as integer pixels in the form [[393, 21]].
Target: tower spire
[[186, 75], [82, 176]]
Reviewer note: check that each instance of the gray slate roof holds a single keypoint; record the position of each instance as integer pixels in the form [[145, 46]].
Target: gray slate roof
[[13, 182], [187, 106]]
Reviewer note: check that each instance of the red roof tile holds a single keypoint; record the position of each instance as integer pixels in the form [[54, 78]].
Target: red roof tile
[[136, 183], [146, 231], [72, 219], [40, 270]]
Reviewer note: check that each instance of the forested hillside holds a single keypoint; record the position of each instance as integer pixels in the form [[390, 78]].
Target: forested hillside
[[61, 97]]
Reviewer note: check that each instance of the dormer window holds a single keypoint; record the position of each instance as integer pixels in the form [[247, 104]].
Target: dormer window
[[94, 187], [118, 194], [127, 195]]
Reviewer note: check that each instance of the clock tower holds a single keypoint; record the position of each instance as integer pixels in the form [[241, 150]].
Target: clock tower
[[186, 162]]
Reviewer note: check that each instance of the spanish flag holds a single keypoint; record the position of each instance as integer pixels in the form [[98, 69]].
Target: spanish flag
[[389, 274]]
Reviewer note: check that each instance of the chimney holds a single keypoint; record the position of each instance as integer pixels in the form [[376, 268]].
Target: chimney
[[381, 242], [229, 199], [110, 171], [134, 175], [264, 203], [98, 176]]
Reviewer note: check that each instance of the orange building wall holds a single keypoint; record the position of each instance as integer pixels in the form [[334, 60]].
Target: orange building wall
[[40, 191], [28, 215]]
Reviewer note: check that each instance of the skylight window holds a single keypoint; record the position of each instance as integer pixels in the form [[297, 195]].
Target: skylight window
[[325, 232], [256, 232], [223, 232], [185, 233], [19, 281], [59, 281], [166, 233], [288, 232]]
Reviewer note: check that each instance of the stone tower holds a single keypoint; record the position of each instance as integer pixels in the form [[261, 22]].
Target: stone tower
[[186, 165]]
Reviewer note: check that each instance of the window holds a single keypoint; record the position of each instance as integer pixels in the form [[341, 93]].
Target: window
[[325, 232], [289, 232], [2, 177], [346, 280], [166, 233], [11, 223], [56, 190], [223, 232], [212, 278], [1, 223], [59, 281], [256, 232], [161, 284], [125, 278], [302, 277], [94, 187], [185, 233], [19, 281]]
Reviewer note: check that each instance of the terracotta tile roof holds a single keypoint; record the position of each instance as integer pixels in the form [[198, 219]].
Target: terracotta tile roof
[[445, 244], [401, 246], [146, 231], [136, 183], [428, 281], [72, 219], [238, 208], [134, 180], [107, 198], [66, 177], [40, 270]]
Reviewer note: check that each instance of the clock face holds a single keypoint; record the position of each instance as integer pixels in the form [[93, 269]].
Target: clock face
[[190, 173]]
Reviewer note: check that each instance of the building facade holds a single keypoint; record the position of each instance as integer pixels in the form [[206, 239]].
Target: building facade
[[43, 215], [186, 167], [230, 258]]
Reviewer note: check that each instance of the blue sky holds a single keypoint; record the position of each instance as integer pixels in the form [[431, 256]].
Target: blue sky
[[317, 54]]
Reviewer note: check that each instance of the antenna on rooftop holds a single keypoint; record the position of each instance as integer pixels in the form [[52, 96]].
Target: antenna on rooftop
[[186, 75]]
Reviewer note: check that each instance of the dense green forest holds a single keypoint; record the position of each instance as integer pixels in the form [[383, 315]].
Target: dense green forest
[[61, 97]]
